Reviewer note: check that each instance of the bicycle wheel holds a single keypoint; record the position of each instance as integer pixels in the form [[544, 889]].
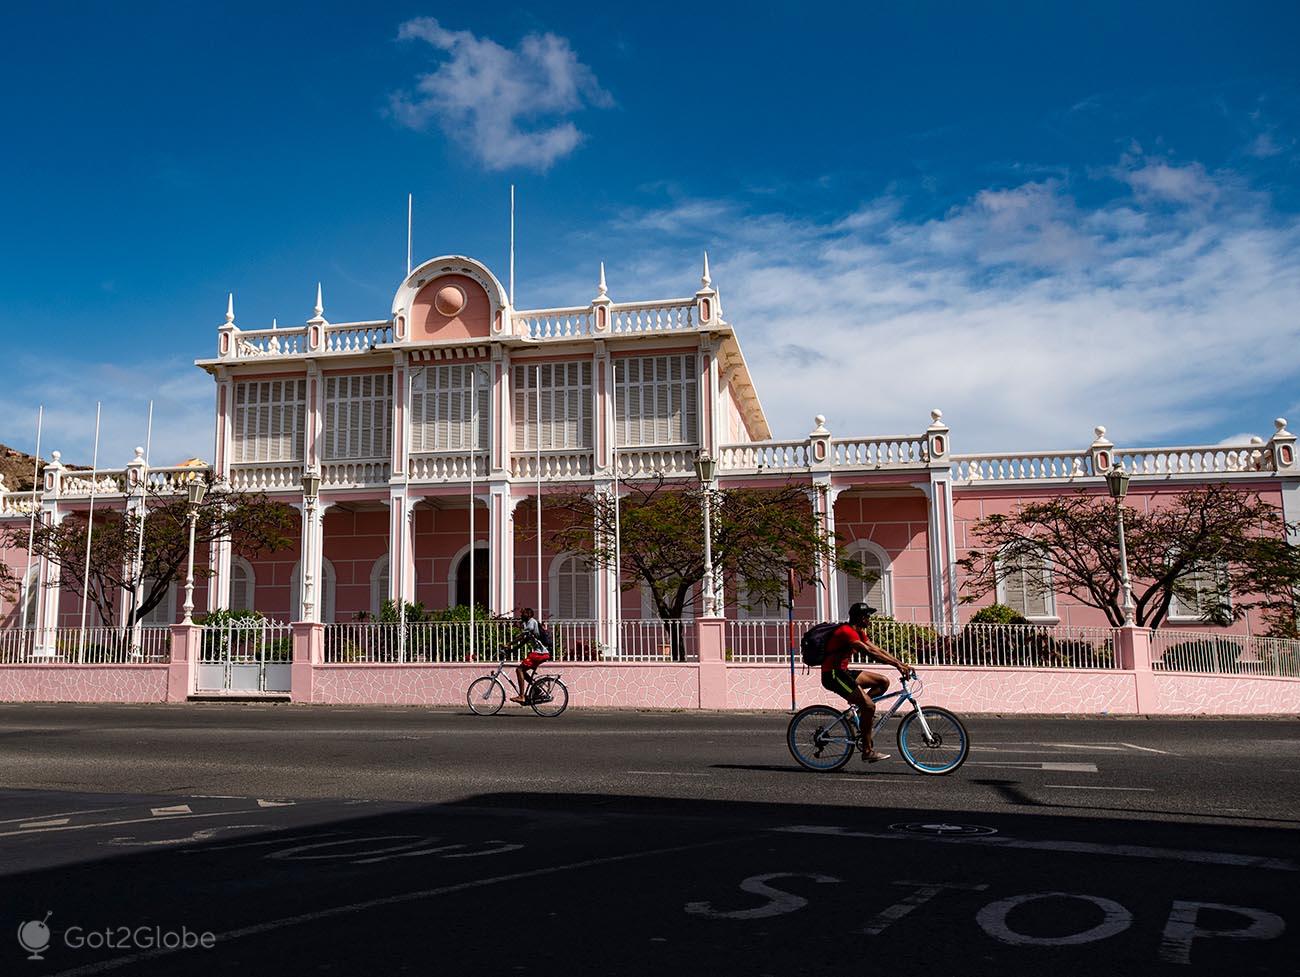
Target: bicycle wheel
[[550, 697], [944, 751], [486, 696], [821, 739]]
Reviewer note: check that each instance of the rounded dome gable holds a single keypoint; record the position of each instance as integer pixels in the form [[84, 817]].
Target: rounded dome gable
[[451, 297]]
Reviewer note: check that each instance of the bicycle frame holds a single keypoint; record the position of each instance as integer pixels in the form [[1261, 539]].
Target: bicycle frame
[[530, 677], [905, 694]]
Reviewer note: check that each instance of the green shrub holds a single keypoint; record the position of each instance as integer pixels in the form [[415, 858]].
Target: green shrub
[[913, 643], [1201, 654], [998, 614]]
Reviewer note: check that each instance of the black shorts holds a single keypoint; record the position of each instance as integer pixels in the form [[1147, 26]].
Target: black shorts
[[842, 681]]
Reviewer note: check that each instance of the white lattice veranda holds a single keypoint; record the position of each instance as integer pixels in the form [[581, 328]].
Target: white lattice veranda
[[443, 409], [561, 415], [270, 420], [358, 416], [657, 400]]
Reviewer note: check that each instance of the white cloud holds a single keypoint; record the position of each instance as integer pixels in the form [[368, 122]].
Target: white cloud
[[1028, 317], [182, 420], [508, 106]]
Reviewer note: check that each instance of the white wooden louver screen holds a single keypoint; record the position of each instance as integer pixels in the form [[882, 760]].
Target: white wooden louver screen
[[573, 583], [270, 420], [657, 400], [358, 416], [858, 590], [442, 408], [565, 411], [1027, 588]]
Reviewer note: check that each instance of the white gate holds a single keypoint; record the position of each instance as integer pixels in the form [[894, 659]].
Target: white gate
[[249, 656]]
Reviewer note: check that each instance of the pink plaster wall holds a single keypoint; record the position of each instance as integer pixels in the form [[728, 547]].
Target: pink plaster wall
[[973, 690], [83, 683], [900, 526], [1226, 696], [473, 321], [626, 685], [975, 502], [354, 541]]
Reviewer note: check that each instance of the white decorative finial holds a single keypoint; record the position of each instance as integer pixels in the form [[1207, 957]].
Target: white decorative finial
[[707, 281], [603, 290], [1280, 423], [1099, 431], [139, 453], [320, 306], [936, 415], [1256, 439], [230, 309], [275, 323], [820, 429], [55, 456]]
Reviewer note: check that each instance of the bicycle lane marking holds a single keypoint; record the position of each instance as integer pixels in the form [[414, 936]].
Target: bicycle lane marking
[[270, 926]]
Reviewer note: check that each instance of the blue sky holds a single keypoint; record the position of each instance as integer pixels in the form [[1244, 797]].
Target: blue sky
[[1038, 217]]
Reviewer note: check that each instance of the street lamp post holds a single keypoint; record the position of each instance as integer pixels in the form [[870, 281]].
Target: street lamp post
[[1117, 482], [705, 469], [195, 491], [310, 493]]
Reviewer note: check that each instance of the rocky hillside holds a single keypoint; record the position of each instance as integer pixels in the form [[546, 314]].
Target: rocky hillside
[[16, 467]]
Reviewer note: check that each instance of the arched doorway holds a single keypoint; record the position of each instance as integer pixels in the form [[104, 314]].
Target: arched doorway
[[482, 577]]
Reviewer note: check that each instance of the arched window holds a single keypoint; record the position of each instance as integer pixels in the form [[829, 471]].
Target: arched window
[[459, 582], [379, 584], [243, 585], [750, 607], [324, 592], [1201, 594], [573, 588], [1025, 584], [164, 612], [650, 612], [879, 593]]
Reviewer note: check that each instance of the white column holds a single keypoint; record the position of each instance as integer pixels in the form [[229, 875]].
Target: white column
[[401, 546], [310, 577], [942, 535], [222, 436], [501, 549], [49, 576], [823, 496], [219, 553], [607, 591]]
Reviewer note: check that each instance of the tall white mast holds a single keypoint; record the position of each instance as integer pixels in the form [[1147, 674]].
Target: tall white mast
[[31, 518], [90, 523], [512, 252], [409, 198]]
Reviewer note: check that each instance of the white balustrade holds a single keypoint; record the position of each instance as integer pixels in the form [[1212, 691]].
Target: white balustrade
[[446, 466], [82, 484], [357, 337], [253, 343], [900, 451], [168, 481], [757, 455], [1195, 460], [266, 476], [553, 465], [1057, 465], [673, 315], [555, 323], [355, 473], [764, 641], [85, 646], [647, 461], [19, 503]]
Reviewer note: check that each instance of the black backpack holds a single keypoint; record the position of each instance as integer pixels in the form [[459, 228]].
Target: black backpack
[[814, 642], [545, 638]]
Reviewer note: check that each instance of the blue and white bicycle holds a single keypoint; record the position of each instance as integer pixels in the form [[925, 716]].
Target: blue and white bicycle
[[931, 740]]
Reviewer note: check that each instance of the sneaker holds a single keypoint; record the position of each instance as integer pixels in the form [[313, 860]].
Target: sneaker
[[874, 757]]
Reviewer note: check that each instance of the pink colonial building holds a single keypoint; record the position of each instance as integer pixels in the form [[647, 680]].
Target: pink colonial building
[[431, 427]]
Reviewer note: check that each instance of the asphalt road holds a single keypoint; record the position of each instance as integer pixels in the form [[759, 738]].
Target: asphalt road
[[358, 841]]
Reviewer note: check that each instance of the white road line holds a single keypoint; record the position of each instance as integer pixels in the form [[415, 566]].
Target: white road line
[[53, 823], [262, 803], [110, 824], [1146, 749], [1085, 746], [60, 814], [1074, 847], [1033, 765], [1090, 787], [668, 773], [275, 924], [159, 812]]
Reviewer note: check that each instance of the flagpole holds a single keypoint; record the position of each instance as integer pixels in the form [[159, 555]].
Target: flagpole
[[537, 427], [406, 501], [409, 198], [31, 518], [512, 246], [90, 522]]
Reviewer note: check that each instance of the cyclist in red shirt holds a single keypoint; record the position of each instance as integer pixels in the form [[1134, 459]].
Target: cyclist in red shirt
[[855, 685]]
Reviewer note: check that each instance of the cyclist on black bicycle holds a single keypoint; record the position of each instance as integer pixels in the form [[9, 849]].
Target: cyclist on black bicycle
[[852, 684], [536, 652]]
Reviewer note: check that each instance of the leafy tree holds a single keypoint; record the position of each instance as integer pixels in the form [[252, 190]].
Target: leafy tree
[[757, 535], [1233, 535], [250, 520]]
